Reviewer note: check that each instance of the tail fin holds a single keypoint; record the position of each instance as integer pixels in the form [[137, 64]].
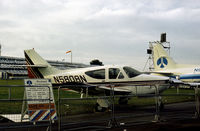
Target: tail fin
[[37, 66], [161, 59]]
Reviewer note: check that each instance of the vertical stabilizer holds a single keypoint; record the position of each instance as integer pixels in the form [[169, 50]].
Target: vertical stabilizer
[[161, 59], [37, 66]]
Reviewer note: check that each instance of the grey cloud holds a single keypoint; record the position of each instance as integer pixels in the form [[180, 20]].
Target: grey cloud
[[115, 31]]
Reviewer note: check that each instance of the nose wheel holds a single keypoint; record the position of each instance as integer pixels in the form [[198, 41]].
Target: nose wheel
[[161, 106], [102, 105]]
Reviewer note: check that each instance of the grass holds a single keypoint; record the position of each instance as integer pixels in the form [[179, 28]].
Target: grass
[[175, 99], [76, 106], [16, 92], [165, 99]]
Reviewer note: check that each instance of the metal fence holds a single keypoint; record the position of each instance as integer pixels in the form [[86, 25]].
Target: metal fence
[[15, 112], [79, 113]]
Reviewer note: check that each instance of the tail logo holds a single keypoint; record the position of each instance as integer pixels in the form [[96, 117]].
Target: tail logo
[[29, 82], [162, 62]]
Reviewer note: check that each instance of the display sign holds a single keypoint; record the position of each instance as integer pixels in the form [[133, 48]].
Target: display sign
[[40, 100]]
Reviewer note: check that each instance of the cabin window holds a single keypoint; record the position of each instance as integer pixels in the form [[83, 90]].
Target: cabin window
[[131, 72], [114, 73], [97, 74], [120, 76]]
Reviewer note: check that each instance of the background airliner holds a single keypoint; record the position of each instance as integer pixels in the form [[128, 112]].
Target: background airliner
[[165, 65]]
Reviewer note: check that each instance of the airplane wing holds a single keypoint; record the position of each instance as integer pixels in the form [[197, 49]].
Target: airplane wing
[[95, 89], [116, 90]]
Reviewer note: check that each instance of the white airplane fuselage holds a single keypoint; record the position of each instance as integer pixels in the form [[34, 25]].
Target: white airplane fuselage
[[140, 84], [123, 79]]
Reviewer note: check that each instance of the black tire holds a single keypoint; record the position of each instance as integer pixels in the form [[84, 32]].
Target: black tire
[[123, 101], [162, 106], [98, 108]]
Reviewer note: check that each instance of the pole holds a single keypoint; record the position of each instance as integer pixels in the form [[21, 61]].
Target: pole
[[50, 127], [71, 57], [197, 113], [157, 100], [59, 112], [112, 122], [71, 54]]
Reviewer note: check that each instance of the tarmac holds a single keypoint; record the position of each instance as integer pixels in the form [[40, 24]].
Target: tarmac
[[178, 116], [174, 117]]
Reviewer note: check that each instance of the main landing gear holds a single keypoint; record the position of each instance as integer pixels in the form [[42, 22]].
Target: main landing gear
[[123, 100]]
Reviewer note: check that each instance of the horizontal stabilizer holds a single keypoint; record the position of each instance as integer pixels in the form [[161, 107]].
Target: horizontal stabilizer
[[39, 66]]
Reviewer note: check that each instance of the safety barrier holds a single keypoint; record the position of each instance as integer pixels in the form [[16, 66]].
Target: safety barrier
[[118, 115], [21, 111], [78, 113]]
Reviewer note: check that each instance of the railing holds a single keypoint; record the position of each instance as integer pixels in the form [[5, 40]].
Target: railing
[[15, 112], [77, 113]]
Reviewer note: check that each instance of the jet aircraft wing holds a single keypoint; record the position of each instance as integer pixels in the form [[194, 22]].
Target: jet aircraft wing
[[194, 84], [175, 81]]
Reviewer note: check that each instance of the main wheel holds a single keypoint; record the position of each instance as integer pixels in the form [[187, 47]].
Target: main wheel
[[123, 101], [98, 108]]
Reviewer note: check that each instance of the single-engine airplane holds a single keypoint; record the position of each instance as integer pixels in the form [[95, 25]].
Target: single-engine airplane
[[96, 80]]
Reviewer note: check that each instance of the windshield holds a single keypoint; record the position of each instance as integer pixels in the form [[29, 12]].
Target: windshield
[[131, 72]]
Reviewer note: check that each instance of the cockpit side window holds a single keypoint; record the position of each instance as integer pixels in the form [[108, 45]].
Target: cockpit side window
[[114, 73], [131, 72], [97, 74], [120, 76]]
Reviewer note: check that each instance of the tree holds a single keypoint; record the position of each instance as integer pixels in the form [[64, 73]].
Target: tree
[[96, 62]]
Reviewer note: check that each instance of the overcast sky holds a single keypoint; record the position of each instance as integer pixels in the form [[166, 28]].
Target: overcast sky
[[114, 31]]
